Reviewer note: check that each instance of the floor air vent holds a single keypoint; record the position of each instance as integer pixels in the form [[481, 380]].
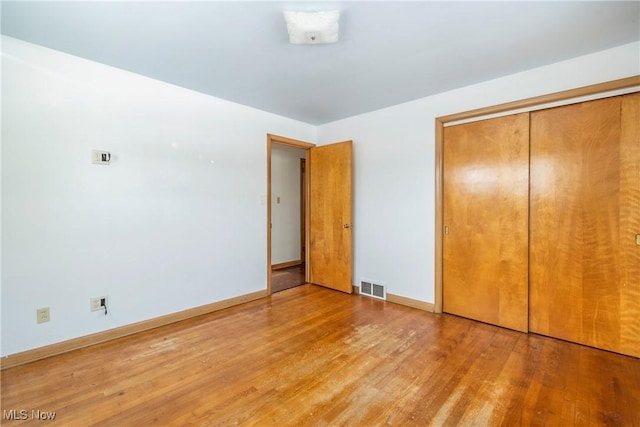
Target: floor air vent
[[376, 290]]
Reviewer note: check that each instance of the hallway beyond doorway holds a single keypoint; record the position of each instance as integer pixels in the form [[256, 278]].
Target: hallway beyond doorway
[[287, 278]]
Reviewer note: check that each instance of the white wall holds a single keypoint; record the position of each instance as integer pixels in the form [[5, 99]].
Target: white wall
[[285, 203], [178, 219], [394, 171]]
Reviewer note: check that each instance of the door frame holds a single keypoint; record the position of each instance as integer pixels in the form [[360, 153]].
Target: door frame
[[303, 209], [570, 96], [281, 140]]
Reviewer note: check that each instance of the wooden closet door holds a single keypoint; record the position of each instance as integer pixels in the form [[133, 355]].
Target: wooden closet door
[[485, 211], [585, 207]]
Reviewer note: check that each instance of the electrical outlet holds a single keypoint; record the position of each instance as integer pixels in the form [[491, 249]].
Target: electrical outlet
[[96, 303], [43, 314]]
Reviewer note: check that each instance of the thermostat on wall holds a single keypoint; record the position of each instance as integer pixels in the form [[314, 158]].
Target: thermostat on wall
[[99, 157]]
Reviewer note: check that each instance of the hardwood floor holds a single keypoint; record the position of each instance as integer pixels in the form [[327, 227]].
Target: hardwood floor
[[312, 356], [287, 278]]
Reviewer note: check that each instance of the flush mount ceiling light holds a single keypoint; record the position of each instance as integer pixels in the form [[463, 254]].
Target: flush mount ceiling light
[[312, 27]]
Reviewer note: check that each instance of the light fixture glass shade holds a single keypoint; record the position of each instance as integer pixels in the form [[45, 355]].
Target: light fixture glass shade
[[312, 27]]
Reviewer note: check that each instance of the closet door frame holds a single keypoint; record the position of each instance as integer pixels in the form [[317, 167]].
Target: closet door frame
[[544, 101]]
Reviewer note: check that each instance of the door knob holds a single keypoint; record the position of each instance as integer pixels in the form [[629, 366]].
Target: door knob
[[346, 226]]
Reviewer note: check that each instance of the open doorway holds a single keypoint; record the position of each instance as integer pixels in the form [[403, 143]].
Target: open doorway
[[288, 194], [327, 252]]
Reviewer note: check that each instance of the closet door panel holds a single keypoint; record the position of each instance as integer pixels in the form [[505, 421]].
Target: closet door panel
[[630, 226], [485, 203], [579, 191]]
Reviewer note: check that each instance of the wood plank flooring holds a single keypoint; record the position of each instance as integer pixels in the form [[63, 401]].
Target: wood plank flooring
[[312, 356], [287, 278]]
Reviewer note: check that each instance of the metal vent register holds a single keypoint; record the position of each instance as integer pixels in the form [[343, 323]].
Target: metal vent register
[[375, 290]]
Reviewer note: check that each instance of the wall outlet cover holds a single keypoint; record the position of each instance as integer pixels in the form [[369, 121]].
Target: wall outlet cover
[[96, 303], [43, 315]]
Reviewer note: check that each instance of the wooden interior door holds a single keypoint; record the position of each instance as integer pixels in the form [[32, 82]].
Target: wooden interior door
[[585, 212], [330, 216], [485, 212]]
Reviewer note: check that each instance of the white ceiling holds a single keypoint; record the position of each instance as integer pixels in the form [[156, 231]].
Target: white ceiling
[[389, 52]]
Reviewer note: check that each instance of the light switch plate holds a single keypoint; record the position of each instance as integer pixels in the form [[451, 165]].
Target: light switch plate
[[99, 157]]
